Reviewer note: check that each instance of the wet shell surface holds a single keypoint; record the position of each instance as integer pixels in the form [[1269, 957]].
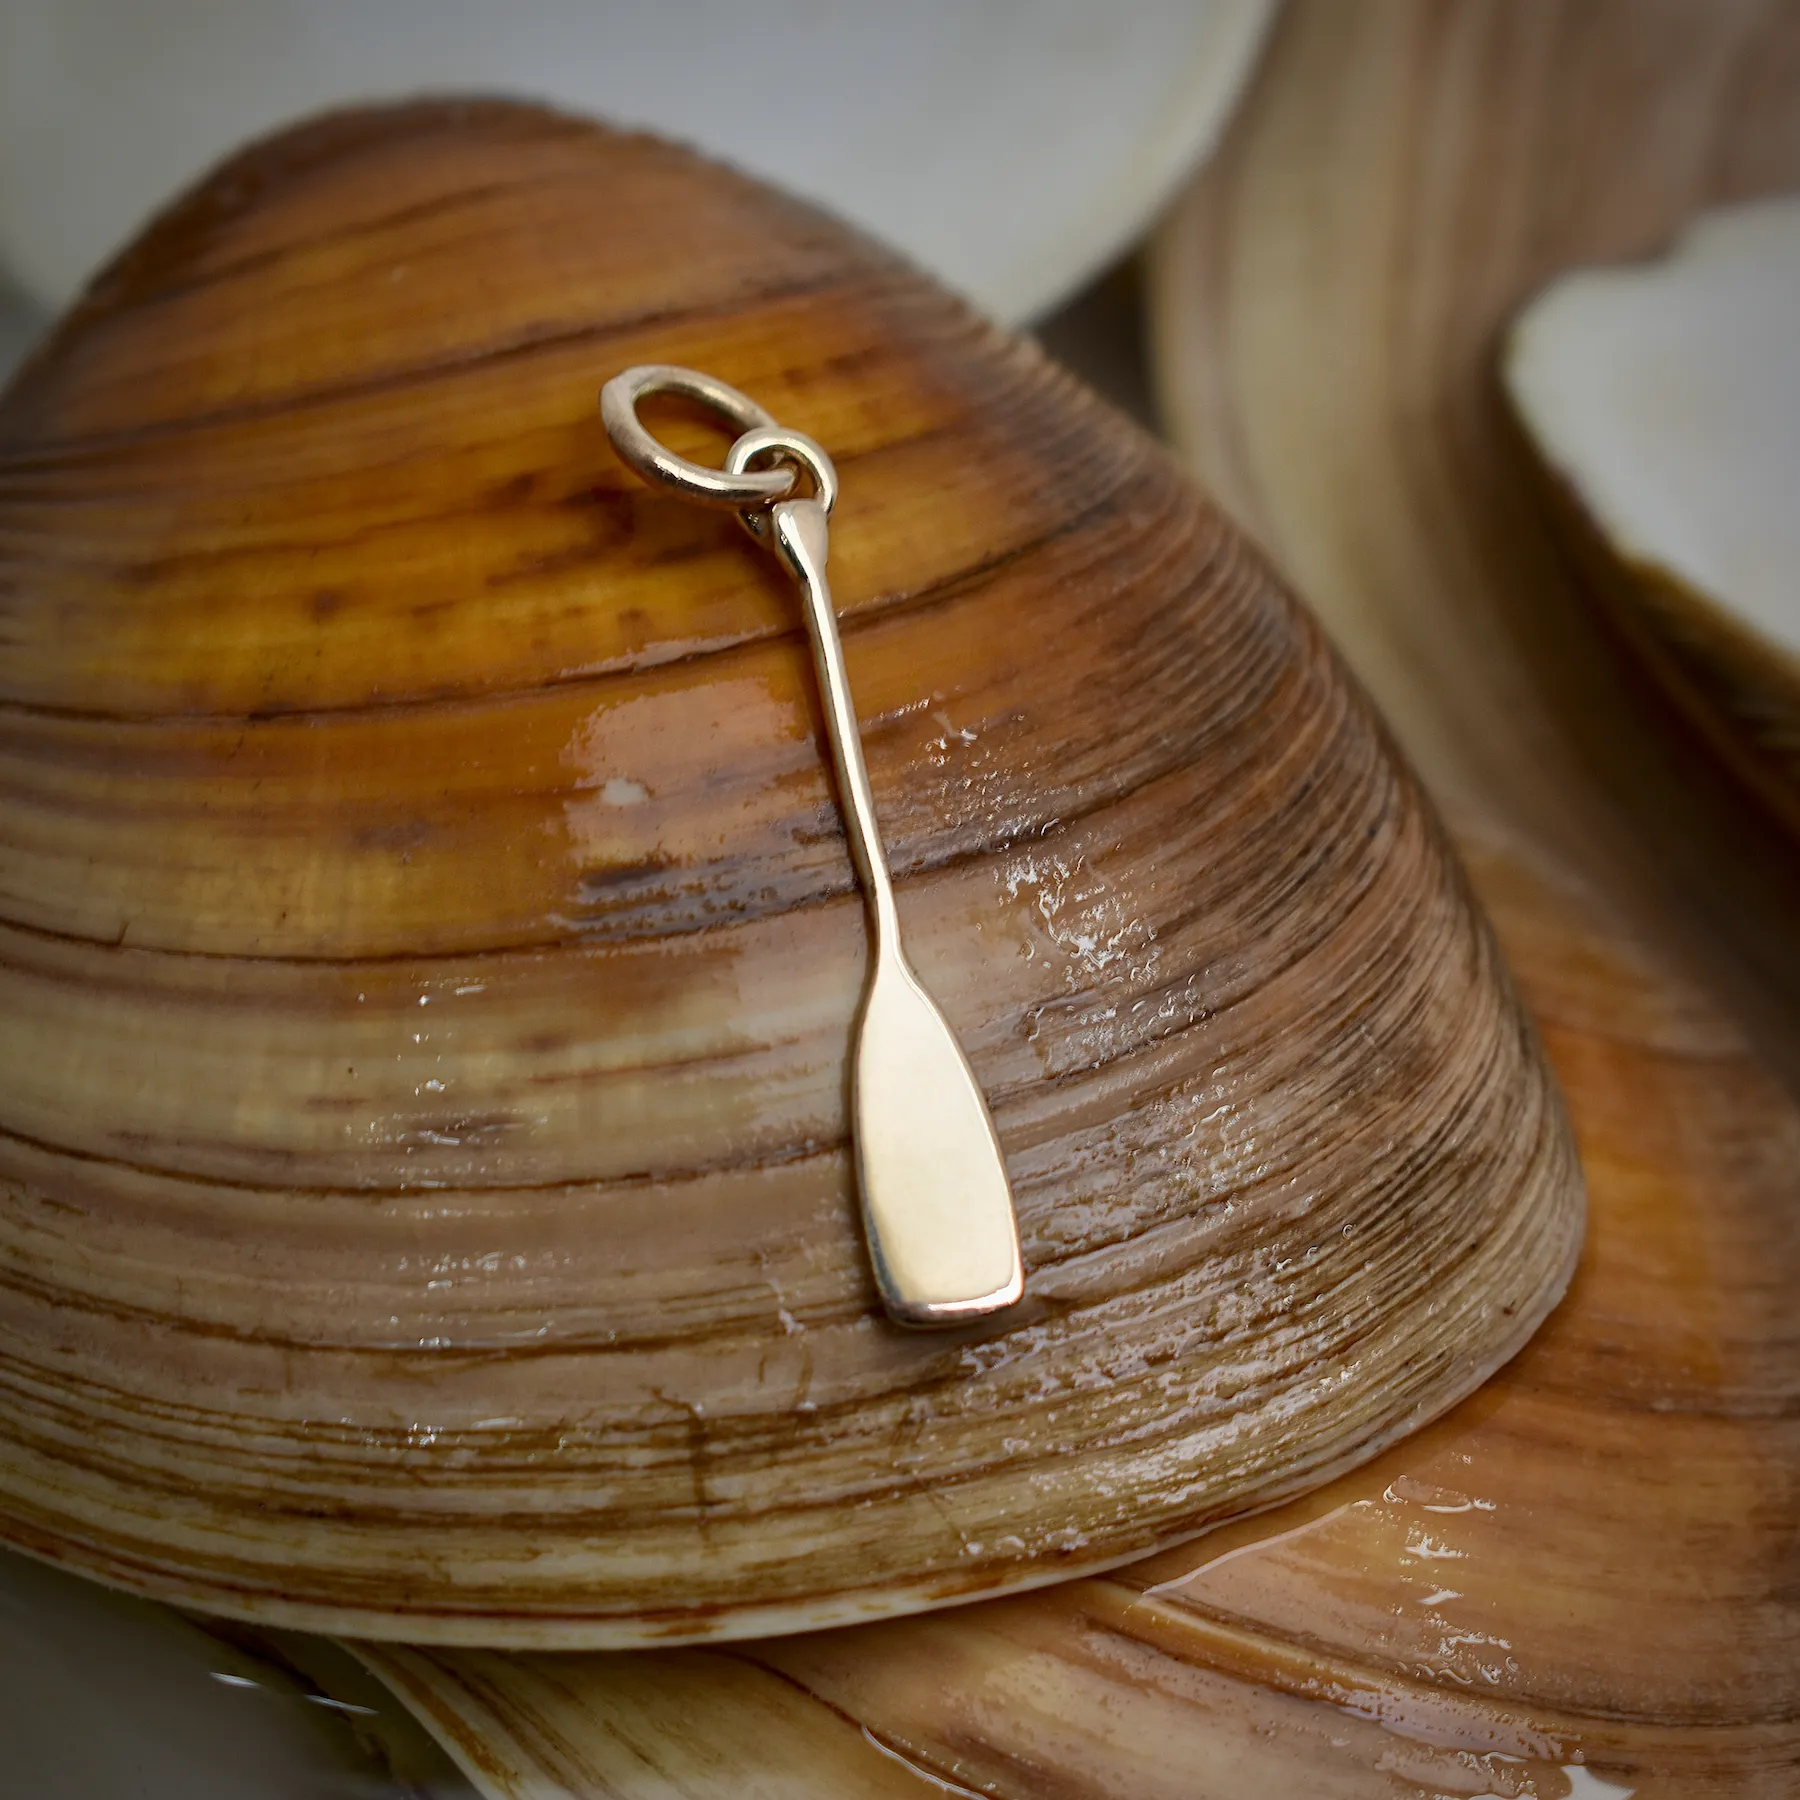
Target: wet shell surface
[[428, 947], [1570, 1588]]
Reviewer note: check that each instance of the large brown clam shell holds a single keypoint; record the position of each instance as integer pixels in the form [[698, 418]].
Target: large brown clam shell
[[429, 950], [1582, 1583]]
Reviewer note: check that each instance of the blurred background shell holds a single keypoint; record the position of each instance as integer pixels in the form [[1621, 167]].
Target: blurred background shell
[[429, 947], [1663, 398], [1012, 148]]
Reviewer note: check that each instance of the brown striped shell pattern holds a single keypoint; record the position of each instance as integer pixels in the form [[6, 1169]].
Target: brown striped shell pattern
[[428, 947]]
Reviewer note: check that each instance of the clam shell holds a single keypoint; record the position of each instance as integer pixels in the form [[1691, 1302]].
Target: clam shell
[[1579, 1584], [1664, 400], [1010, 190], [1377, 458], [430, 950]]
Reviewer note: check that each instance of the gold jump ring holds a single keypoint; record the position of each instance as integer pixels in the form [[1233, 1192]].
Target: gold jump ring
[[735, 490]]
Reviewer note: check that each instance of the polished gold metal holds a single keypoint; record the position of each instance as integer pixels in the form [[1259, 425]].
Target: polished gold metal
[[937, 1204], [776, 443], [691, 480]]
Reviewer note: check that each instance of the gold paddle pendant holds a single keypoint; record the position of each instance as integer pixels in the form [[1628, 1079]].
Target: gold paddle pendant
[[937, 1205]]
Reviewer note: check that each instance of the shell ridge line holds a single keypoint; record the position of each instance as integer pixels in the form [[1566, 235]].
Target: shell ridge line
[[101, 297], [895, 603], [46, 451], [948, 861]]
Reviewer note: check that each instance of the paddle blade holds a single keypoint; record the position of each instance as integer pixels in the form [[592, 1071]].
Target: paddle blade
[[937, 1205]]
